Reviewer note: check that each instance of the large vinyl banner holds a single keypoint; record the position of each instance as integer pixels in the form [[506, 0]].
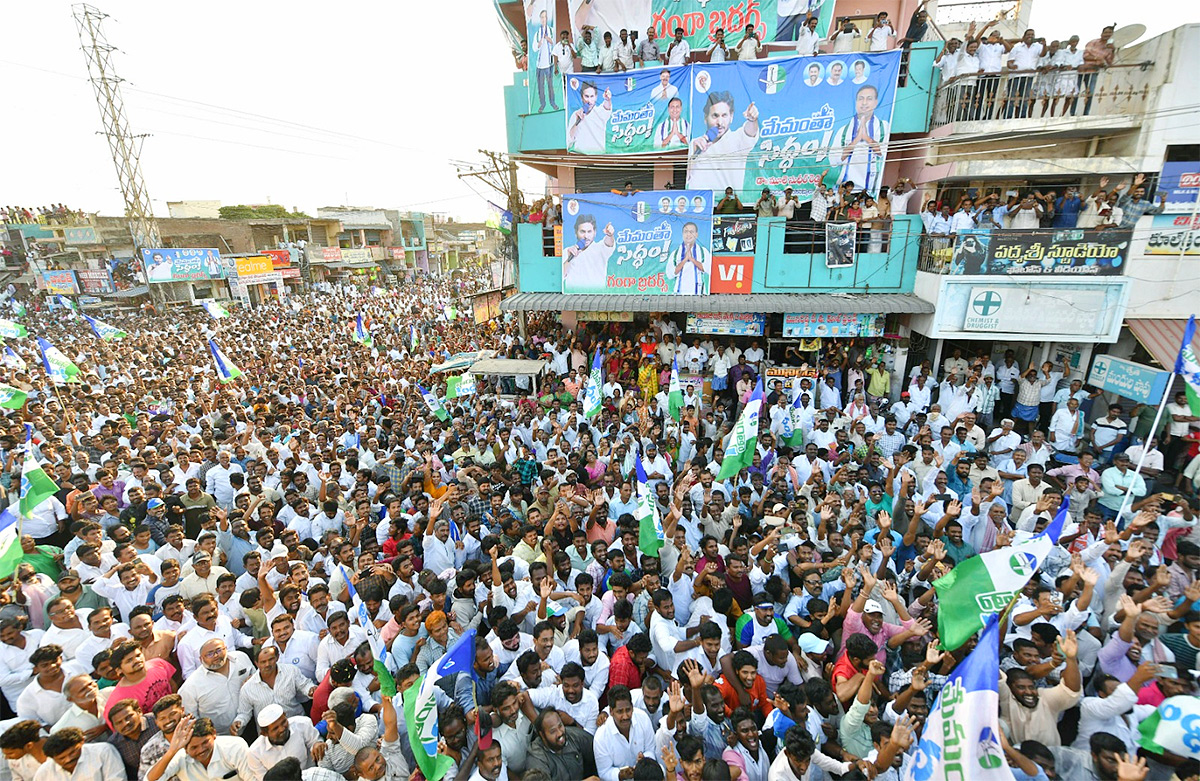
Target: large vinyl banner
[[655, 242], [644, 110], [781, 122], [545, 90], [773, 20]]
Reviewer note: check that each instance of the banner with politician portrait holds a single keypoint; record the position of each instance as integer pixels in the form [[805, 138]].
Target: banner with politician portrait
[[643, 110], [657, 242], [792, 122], [545, 82]]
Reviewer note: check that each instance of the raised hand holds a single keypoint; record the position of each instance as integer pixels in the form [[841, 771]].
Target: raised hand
[[875, 668], [1131, 768], [1070, 644], [903, 732]]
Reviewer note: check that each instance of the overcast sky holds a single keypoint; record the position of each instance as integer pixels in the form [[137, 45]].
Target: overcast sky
[[308, 103]]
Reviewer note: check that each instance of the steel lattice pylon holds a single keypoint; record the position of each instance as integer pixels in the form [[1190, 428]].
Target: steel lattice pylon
[[124, 146]]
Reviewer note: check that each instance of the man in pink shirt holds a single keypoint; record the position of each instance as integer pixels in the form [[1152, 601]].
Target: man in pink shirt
[[866, 617]]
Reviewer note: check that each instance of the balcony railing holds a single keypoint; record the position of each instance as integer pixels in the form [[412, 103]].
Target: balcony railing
[[1052, 93], [1010, 252]]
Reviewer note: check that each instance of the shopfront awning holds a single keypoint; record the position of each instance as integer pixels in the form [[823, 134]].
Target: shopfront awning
[[509, 367], [132, 292], [840, 303], [1161, 338]]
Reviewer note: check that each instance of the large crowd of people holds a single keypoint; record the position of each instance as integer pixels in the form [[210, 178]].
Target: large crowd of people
[[187, 605]]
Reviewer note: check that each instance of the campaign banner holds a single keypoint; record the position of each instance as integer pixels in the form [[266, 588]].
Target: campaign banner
[[1071, 251], [700, 19], [822, 324], [656, 242], [60, 282], [792, 122], [840, 238], [726, 323], [1172, 234], [633, 112], [545, 83], [734, 234], [1180, 182], [95, 280], [182, 265]]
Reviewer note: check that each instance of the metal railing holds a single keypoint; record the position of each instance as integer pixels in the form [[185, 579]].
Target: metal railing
[[1040, 94]]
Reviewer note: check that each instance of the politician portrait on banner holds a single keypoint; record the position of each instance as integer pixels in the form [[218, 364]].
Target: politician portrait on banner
[[632, 112]]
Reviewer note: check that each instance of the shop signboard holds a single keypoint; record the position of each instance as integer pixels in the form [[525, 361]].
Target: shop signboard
[[604, 317], [83, 235], [182, 265], [1064, 309], [95, 280], [1172, 234], [726, 323], [832, 324], [254, 265], [790, 375], [1071, 251], [60, 282], [734, 234], [648, 243], [1180, 182], [732, 274], [1144, 384]]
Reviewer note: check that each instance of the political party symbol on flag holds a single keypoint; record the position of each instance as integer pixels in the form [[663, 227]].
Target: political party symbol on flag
[[10, 543], [772, 79], [593, 389], [1187, 367], [10, 329], [1174, 727], [20, 309], [12, 398], [36, 485], [105, 331], [983, 585], [739, 453], [215, 310], [14, 361], [434, 405], [387, 684], [226, 370], [67, 303], [361, 334], [651, 536], [412, 338], [675, 392], [793, 424], [961, 736], [58, 366], [421, 710]]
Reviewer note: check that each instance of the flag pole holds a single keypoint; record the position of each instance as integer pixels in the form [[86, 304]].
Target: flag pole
[[1162, 405]]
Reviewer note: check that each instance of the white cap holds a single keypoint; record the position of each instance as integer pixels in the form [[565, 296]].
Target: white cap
[[270, 714], [872, 607]]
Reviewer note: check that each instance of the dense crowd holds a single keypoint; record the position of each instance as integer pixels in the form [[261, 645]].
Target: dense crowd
[[187, 604]]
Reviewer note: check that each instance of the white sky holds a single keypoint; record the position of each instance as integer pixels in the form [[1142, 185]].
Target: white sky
[[378, 98]]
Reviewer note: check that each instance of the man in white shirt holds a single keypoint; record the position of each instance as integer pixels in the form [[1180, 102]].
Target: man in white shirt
[[1023, 57], [585, 264], [627, 735], [71, 758], [808, 43], [212, 690], [217, 480], [666, 636], [281, 737], [881, 33], [1108, 431], [570, 696], [679, 51]]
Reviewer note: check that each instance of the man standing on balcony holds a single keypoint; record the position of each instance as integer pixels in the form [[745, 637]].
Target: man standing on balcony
[[750, 46], [589, 52], [648, 52], [1023, 58], [1098, 53], [1134, 205], [900, 195], [809, 42], [679, 50], [1066, 209], [718, 52], [881, 32], [564, 55], [624, 48], [991, 62]]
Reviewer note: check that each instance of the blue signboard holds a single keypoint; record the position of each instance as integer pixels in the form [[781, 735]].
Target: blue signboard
[[1180, 182], [1143, 384]]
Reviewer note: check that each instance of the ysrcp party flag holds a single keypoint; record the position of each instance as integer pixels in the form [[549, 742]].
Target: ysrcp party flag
[[215, 310], [593, 391], [434, 405], [36, 485], [657, 242], [651, 536], [421, 709], [361, 334], [12, 398], [984, 585], [10, 543], [12, 330], [387, 683], [1174, 727], [636, 111], [58, 366], [1187, 367], [675, 392], [104, 331], [226, 370], [14, 361], [793, 421], [739, 453], [782, 122], [961, 736]]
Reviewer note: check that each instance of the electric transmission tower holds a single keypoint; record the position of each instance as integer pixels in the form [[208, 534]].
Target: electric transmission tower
[[124, 146]]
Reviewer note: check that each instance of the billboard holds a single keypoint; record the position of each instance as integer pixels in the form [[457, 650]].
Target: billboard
[[732, 274], [637, 111], [791, 122], [95, 280], [1180, 182], [545, 82], [810, 326], [657, 242], [726, 323], [1072, 251], [60, 282], [182, 265], [253, 265], [734, 234], [1172, 234]]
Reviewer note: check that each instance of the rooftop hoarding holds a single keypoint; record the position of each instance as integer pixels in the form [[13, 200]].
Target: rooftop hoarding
[[651, 243], [183, 265]]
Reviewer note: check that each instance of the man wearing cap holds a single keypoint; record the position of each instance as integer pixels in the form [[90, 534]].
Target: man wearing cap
[[866, 617], [281, 737], [203, 578]]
